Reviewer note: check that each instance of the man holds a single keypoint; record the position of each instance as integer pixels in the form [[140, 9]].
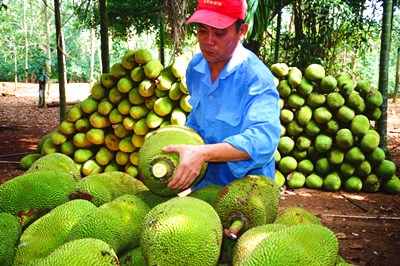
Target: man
[[234, 102]]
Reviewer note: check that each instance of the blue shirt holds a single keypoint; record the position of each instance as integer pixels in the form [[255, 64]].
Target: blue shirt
[[240, 108]]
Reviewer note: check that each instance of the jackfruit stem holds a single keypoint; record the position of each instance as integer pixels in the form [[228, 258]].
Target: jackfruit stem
[[161, 168], [235, 228]]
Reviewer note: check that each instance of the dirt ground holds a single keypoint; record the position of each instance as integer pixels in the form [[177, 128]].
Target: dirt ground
[[367, 225]]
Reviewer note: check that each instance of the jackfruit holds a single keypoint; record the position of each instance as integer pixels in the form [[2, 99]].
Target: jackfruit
[[10, 233], [335, 100], [132, 257], [305, 166], [128, 60], [376, 156], [335, 156], [67, 127], [117, 222], [156, 167], [371, 183], [87, 251], [323, 142], [363, 169], [295, 100], [107, 80], [345, 84], [181, 231], [296, 245], [352, 184], [49, 232], [305, 87], [345, 114], [353, 100], [152, 69], [391, 185], [247, 202], [98, 91], [150, 198], [314, 181], [207, 193], [360, 125], [117, 70], [344, 138], [304, 115], [354, 155], [328, 84], [374, 99], [386, 169], [296, 215], [295, 180], [363, 87], [323, 166], [30, 195], [284, 88], [105, 187], [179, 66], [347, 169], [370, 141], [294, 76], [285, 145], [28, 159], [322, 115], [315, 99], [332, 182], [287, 164], [250, 239]]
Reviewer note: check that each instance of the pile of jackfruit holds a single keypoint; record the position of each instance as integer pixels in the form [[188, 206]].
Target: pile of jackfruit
[[328, 140], [50, 215]]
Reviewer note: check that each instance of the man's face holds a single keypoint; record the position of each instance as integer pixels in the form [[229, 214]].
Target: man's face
[[218, 45]]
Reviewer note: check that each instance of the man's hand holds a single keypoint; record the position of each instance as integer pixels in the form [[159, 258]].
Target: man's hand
[[192, 158]]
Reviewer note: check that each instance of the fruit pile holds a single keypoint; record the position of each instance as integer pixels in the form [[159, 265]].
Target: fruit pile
[[105, 131], [327, 138]]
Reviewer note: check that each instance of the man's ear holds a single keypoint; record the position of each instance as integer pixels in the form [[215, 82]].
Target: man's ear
[[243, 30]]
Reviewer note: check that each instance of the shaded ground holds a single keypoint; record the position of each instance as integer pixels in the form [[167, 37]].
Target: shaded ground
[[367, 225]]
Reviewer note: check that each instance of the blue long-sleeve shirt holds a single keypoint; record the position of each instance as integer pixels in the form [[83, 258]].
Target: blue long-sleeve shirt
[[240, 108]]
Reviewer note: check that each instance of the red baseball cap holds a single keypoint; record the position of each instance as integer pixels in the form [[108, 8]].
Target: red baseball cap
[[219, 14]]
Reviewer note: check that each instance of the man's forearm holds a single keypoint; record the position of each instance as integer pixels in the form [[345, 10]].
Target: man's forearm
[[223, 152]]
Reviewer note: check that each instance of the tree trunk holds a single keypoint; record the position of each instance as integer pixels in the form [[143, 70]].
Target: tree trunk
[[162, 32], [60, 61], [105, 54], [92, 53], [25, 29], [384, 70], [396, 85], [278, 29], [48, 51]]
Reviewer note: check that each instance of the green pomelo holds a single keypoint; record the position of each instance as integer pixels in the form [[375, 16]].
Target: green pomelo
[[138, 111], [332, 126], [363, 169], [322, 115], [335, 156], [178, 117], [323, 166], [117, 70], [312, 128], [344, 138], [363, 87], [115, 116], [74, 113], [153, 120], [277, 156], [287, 164], [80, 140], [163, 106], [95, 136], [279, 70], [104, 156], [146, 88], [286, 115], [315, 99], [303, 142], [98, 91], [184, 103], [370, 141], [91, 167], [371, 183], [175, 92], [128, 60], [314, 181], [374, 99], [376, 156], [122, 158], [279, 178], [82, 155], [27, 160], [345, 84], [304, 115], [345, 114], [82, 125], [295, 180], [392, 185], [58, 138], [354, 155], [115, 96], [353, 100], [327, 84], [111, 141], [285, 145], [314, 72], [137, 74], [295, 100], [68, 148], [294, 76], [294, 128], [323, 142], [335, 100], [107, 80], [305, 87], [153, 68], [353, 184], [386, 169], [284, 89], [360, 125], [128, 122], [138, 140], [135, 97], [105, 106], [124, 85], [373, 114], [126, 145], [179, 65], [142, 56], [332, 182], [67, 127], [140, 128], [347, 169], [124, 106]]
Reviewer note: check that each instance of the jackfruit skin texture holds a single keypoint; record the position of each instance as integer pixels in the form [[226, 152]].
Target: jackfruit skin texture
[[181, 231], [105, 187], [31, 195], [151, 150], [87, 251], [152, 199], [296, 215], [56, 162], [208, 193], [255, 198], [11, 230], [132, 257], [302, 244], [251, 238], [49, 232], [117, 223]]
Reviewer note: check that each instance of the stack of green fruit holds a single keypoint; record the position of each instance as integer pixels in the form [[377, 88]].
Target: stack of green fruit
[[328, 140], [105, 131]]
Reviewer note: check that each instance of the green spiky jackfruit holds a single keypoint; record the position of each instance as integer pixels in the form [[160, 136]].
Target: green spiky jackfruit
[[251, 238], [296, 245], [132, 257], [87, 251], [31, 195], [249, 201], [56, 162], [105, 187], [156, 167], [181, 231], [296, 215], [10, 229], [49, 232], [117, 223], [207, 193]]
